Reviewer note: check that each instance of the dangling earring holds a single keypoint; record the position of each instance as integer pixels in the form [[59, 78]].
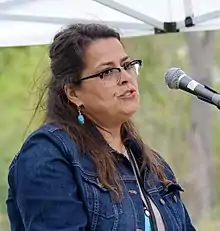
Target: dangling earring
[[80, 117]]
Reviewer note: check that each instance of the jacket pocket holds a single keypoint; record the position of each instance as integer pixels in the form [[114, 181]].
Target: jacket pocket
[[171, 196]]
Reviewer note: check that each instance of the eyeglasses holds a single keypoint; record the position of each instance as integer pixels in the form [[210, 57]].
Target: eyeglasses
[[112, 76]]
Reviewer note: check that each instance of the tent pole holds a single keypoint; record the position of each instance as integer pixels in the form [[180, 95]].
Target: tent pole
[[188, 8], [200, 19], [208, 16], [132, 13]]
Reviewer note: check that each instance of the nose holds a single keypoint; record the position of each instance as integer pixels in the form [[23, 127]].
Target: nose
[[125, 77]]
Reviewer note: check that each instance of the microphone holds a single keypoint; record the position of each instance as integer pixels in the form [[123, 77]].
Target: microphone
[[175, 78]]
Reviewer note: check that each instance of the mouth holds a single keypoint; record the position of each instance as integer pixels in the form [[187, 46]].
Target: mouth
[[129, 93]]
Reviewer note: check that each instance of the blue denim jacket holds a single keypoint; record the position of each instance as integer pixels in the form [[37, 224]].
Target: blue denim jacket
[[52, 186]]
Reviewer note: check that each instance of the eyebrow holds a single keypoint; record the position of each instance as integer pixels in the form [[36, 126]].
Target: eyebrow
[[110, 62]]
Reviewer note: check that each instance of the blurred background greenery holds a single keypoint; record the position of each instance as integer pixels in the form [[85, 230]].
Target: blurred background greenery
[[164, 118]]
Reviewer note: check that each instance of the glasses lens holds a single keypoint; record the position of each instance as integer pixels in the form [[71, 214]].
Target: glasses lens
[[133, 68], [111, 77]]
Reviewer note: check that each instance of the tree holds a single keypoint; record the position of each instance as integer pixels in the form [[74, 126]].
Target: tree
[[202, 170]]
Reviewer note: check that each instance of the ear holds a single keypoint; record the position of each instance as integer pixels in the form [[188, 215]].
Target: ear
[[72, 96]]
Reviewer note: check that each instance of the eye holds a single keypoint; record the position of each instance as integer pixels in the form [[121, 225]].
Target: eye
[[106, 73], [130, 65]]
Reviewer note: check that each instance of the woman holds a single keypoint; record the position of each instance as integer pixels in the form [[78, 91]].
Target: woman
[[86, 167]]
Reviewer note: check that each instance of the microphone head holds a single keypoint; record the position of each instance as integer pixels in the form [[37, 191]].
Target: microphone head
[[172, 77]]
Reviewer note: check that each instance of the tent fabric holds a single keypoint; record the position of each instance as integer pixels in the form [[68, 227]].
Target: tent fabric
[[33, 22]]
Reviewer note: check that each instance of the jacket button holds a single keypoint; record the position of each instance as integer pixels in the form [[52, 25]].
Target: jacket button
[[175, 198], [162, 201]]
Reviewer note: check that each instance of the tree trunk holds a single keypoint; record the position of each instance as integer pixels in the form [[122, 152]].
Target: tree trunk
[[202, 171]]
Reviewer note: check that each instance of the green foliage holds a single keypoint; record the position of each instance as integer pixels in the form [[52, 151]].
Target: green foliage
[[210, 221], [18, 68], [163, 117]]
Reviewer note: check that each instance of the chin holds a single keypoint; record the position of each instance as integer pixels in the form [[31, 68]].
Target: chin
[[130, 111]]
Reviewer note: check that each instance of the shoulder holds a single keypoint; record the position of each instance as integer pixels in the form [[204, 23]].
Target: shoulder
[[48, 135], [47, 149], [45, 156], [46, 143]]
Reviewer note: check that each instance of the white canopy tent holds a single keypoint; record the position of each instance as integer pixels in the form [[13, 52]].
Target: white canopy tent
[[32, 22]]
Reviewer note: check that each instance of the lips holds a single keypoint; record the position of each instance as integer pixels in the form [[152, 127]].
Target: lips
[[128, 92]]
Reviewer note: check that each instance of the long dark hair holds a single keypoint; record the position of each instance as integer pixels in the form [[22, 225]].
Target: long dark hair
[[67, 62]]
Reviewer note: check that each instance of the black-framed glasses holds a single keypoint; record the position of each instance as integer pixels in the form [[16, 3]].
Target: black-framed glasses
[[111, 76]]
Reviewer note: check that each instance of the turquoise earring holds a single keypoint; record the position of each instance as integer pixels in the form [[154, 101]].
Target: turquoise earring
[[80, 117]]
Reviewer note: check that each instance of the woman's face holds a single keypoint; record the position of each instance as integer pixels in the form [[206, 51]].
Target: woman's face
[[112, 97]]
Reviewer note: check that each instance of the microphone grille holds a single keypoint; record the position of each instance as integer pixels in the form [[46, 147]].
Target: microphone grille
[[172, 77]]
